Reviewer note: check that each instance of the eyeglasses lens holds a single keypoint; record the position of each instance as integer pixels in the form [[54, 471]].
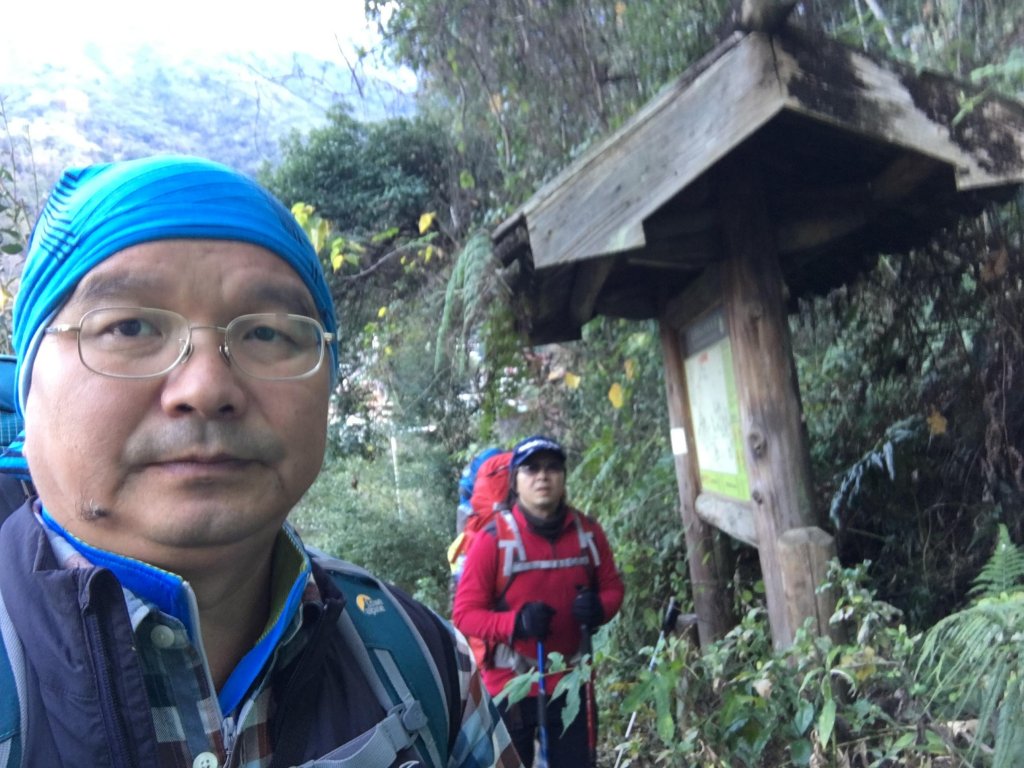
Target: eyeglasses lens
[[134, 342]]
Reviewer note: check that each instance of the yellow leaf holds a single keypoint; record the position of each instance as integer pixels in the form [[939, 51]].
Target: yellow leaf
[[428, 254], [337, 259], [630, 367], [382, 311], [936, 422], [572, 381], [318, 234], [860, 664], [426, 220], [615, 395], [301, 212]]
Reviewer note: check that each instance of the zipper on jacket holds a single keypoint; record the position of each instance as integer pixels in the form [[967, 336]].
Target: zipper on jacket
[[109, 703]]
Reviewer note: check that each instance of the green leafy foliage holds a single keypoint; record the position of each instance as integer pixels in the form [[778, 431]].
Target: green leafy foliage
[[1003, 572], [387, 513], [543, 79], [971, 662], [363, 177], [850, 698], [881, 460], [919, 361], [910, 379]]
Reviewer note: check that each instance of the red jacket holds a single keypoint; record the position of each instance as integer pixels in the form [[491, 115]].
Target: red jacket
[[476, 614]]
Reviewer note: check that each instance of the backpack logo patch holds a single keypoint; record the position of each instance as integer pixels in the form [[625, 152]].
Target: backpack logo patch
[[371, 606]]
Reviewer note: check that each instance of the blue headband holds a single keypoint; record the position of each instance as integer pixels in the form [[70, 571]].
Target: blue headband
[[97, 211]]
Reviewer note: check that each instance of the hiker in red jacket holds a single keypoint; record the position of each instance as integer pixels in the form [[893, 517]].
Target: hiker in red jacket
[[541, 578]]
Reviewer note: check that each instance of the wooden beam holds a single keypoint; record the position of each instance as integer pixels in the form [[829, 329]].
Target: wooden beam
[[511, 241], [589, 280], [735, 518], [775, 442], [817, 231], [894, 105], [671, 226], [702, 295], [600, 206], [685, 252], [709, 577], [902, 177]]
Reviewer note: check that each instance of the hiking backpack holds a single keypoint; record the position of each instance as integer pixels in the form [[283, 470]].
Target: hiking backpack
[[381, 637], [513, 561], [483, 490]]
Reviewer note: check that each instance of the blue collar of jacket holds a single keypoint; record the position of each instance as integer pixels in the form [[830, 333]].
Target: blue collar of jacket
[[171, 595]]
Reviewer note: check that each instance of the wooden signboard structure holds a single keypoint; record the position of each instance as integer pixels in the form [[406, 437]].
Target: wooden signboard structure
[[775, 167]]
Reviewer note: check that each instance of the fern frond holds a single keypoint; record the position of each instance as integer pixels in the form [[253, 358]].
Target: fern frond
[[1009, 735], [880, 459], [1003, 572], [973, 663], [465, 295]]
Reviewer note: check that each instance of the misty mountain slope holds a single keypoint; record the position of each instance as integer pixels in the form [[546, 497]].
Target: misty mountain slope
[[96, 105]]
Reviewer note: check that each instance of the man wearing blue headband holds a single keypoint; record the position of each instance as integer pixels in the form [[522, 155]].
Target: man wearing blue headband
[[176, 349]]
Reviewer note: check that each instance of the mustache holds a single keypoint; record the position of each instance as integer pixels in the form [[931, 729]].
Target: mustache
[[203, 439]]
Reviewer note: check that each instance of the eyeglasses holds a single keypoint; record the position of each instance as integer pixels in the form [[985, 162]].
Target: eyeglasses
[[549, 467], [143, 343]]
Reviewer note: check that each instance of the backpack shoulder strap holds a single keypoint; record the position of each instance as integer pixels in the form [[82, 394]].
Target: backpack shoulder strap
[[387, 646], [510, 550], [12, 681], [585, 533]]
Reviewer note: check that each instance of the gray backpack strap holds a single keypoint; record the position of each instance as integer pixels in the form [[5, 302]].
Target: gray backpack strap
[[379, 746], [586, 538], [12, 687], [380, 634]]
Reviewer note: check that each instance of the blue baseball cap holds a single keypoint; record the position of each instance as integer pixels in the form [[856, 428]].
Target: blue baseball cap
[[526, 448]]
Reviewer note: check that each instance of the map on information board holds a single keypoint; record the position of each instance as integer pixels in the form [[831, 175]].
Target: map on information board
[[714, 408]]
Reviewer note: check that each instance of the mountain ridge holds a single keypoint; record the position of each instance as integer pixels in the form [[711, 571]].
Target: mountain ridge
[[99, 104]]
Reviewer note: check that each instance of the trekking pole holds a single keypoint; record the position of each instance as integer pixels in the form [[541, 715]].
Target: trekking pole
[[542, 707], [667, 625], [588, 687]]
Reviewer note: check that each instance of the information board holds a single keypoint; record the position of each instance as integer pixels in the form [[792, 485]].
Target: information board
[[714, 407]]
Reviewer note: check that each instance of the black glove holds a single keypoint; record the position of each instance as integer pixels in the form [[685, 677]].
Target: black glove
[[532, 620], [587, 609]]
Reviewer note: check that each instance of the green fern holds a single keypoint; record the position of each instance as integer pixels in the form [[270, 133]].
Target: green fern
[[467, 289], [880, 459], [973, 662], [1003, 572]]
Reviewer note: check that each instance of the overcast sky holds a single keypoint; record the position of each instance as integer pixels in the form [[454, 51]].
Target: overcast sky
[[42, 29]]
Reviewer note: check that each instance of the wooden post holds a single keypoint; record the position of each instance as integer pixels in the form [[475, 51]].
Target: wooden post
[[804, 554], [709, 583], [775, 440]]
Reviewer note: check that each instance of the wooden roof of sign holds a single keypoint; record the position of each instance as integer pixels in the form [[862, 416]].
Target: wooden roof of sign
[[859, 157]]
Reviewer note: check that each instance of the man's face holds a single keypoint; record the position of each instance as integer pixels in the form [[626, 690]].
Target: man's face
[[201, 463], [540, 483]]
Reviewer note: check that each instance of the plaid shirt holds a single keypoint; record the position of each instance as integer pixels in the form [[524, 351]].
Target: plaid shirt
[[191, 729]]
